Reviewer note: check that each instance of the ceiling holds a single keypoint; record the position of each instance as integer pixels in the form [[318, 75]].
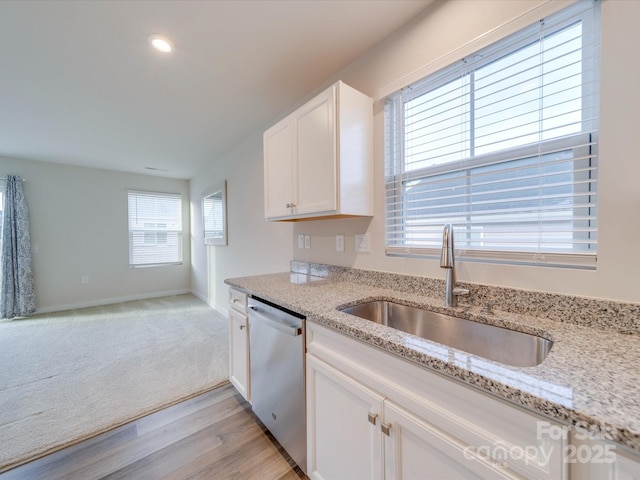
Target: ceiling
[[80, 84]]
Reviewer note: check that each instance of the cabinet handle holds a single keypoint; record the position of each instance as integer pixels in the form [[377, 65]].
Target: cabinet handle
[[386, 428], [241, 327], [372, 418], [291, 205]]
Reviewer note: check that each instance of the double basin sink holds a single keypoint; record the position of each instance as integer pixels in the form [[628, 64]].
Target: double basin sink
[[502, 345]]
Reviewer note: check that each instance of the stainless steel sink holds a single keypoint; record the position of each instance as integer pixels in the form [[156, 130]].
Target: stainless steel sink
[[495, 343]]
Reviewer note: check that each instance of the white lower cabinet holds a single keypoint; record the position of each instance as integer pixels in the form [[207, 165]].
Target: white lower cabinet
[[415, 449], [239, 343], [371, 415], [599, 459], [342, 425], [625, 468], [356, 433]]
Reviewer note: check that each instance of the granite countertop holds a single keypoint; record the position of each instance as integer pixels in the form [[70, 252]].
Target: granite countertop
[[591, 376]]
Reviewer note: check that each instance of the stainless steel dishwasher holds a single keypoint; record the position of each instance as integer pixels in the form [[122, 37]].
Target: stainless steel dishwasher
[[276, 349]]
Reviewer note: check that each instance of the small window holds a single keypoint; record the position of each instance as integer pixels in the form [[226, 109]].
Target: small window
[[155, 229], [503, 145]]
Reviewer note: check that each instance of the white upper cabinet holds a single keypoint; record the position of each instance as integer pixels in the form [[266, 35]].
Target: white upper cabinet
[[318, 161], [315, 126], [279, 169]]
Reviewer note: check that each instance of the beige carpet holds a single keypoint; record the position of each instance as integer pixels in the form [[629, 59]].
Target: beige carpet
[[67, 376]]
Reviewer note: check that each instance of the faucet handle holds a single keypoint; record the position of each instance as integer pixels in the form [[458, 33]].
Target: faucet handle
[[461, 292]]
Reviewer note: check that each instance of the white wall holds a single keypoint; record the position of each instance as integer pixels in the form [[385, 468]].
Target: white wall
[[445, 27], [80, 226], [254, 246]]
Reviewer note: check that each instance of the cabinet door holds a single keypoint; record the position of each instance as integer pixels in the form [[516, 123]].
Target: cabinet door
[[239, 353], [315, 126], [415, 449], [598, 459], [627, 469], [344, 440], [279, 167]]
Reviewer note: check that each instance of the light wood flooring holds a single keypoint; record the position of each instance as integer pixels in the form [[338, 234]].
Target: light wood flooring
[[212, 436]]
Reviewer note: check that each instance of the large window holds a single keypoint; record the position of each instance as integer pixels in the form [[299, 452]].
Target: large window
[[155, 229], [503, 145]]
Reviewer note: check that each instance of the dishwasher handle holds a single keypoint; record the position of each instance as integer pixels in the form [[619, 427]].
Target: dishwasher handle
[[274, 322]]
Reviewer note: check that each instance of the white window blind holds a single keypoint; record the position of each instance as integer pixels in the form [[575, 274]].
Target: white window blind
[[503, 145], [155, 229]]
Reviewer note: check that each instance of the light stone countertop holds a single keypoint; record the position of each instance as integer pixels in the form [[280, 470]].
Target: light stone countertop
[[591, 376]]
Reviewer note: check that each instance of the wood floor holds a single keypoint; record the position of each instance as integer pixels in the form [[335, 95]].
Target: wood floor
[[212, 436]]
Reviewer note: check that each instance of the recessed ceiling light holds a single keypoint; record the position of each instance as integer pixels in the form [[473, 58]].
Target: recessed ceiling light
[[160, 43]]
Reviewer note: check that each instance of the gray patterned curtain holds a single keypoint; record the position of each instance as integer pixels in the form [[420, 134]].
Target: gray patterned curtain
[[17, 296]]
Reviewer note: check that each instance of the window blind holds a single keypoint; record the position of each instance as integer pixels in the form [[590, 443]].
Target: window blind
[[503, 145], [155, 228]]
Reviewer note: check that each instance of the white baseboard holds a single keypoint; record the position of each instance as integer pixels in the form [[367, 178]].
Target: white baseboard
[[202, 297], [221, 309], [108, 301]]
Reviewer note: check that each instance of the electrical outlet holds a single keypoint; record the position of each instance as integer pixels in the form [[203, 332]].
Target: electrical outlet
[[84, 279], [363, 242], [339, 243]]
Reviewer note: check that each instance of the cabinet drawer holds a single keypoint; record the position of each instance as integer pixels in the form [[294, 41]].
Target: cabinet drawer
[[238, 300]]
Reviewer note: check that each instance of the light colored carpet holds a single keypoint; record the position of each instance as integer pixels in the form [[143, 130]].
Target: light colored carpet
[[67, 376]]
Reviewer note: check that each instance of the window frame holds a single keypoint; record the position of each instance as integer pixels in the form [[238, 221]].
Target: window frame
[[396, 176], [150, 229]]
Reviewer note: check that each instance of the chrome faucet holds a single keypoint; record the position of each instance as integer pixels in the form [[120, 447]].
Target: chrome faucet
[[447, 260]]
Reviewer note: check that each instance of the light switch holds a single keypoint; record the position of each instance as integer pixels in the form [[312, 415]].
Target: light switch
[[339, 243], [307, 241], [300, 241]]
